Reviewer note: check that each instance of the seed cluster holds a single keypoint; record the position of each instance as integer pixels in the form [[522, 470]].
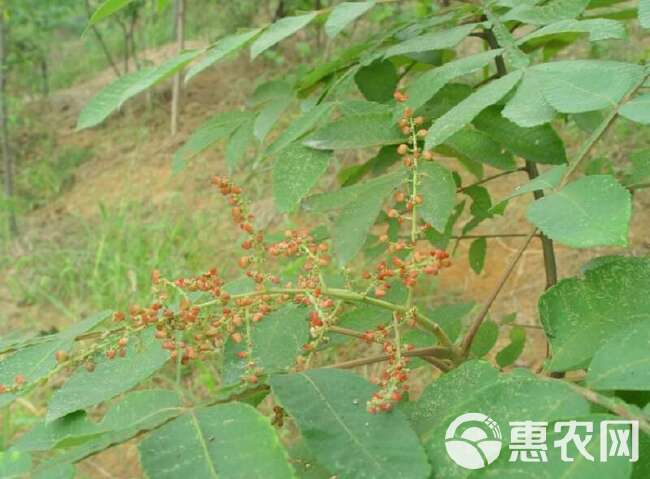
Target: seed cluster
[[195, 317]]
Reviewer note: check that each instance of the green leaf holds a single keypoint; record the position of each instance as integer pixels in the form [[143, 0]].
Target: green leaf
[[114, 95], [438, 191], [111, 377], [277, 341], [439, 40], [622, 362], [637, 109], [377, 81], [510, 353], [546, 181], [576, 86], [45, 436], [220, 126], [344, 14], [62, 471], [37, 360], [108, 100], [239, 143], [476, 387], [14, 464], [329, 407], [300, 127], [540, 144], [357, 216], [597, 28], [269, 116], [477, 146], [554, 11], [356, 131], [477, 252], [515, 57], [644, 13], [464, 112], [227, 441], [138, 411], [295, 173], [592, 211], [106, 9], [639, 170], [485, 339], [580, 315], [280, 30], [424, 87], [527, 107], [220, 50]]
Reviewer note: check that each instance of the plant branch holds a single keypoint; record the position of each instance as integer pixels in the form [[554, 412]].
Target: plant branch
[[550, 263], [489, 178], [435, 352], [480, 317], [616, 406]]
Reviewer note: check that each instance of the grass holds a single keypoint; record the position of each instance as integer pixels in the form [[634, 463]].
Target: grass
[[106, 263]]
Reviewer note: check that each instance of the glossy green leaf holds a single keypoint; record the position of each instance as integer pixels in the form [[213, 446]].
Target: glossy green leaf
[[329, 407], [592, 211], [553, 11], [106, 9], [465, 111], [280, 30], [576, 86], [546, 181], [424, 87], [229, 441], [476, 387], [343, 14], [110, 378], [597, 28], [580, 315], [438, 40], [540, 144], [478, 146], [623, 362], [511, 352], [528, 107], [485, 339], [295, 173], [356, 131], [477, 251], [220, 50], [220, 126], [377, 81], [300, 127], [637, 109], [438, 191]]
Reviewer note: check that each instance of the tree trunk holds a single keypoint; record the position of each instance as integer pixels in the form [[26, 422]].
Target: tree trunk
[[4, 134], [180, 43]]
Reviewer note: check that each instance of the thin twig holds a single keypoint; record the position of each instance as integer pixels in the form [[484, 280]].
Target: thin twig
[[436, 352], [476, 324], [489, 178]]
